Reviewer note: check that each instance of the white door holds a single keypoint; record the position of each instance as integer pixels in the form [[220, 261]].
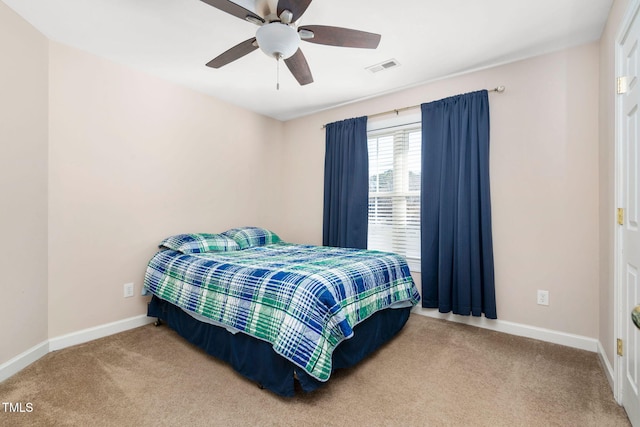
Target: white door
[[629, 230]]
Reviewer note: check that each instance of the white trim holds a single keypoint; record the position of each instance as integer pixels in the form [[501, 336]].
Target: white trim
[[21, 361], [96, 332], [542, 334], [608, 369], [632, 10], [414, 265]]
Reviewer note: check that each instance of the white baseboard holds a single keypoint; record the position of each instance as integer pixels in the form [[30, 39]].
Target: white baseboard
[[21, 361], [542, 334], [608, 369], [96, 332], [26, 358]]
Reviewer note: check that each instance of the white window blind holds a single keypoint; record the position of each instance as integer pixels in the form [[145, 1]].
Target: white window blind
[[394, 191]]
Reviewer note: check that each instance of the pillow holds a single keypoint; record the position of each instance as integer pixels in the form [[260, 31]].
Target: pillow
[[199, 242], [247, 237]]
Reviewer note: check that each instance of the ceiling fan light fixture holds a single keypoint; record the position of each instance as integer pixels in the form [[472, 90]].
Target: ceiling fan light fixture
[[278, 40]]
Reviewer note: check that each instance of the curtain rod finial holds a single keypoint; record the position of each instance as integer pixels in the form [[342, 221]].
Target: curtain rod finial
[[500, 89]]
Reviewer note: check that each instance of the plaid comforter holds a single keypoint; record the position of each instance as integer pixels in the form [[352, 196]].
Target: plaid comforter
[[302, 299]]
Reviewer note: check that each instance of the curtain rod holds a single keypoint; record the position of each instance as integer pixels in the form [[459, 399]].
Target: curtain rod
[[498, 89]]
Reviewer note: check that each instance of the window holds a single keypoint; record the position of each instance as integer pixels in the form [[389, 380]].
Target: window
[[394, 191]]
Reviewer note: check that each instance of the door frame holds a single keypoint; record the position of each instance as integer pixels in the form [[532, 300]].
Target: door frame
[[620, 315]]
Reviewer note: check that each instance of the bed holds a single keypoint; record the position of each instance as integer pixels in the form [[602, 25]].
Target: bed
[[279, 312]]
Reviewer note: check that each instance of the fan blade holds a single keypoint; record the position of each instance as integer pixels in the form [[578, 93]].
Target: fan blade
[[233, 9], [343, 37], [238, 51], [298, 66], [296, 7]]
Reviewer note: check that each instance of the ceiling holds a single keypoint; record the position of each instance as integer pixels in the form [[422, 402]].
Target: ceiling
[[430, 39]]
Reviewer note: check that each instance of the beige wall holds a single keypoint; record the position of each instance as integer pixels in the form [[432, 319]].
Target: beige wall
[[23, 185], [133, 159], [607, 178], [544, 172]]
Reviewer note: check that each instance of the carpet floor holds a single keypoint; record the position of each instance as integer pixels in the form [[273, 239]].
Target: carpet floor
[[434, 373]]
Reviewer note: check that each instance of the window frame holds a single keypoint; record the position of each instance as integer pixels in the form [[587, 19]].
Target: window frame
[[377, 128]]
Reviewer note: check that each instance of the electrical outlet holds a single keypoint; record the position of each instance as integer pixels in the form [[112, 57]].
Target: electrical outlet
[[128, 290], [543, 297]]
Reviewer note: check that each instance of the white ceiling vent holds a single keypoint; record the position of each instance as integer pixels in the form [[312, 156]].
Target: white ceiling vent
[[389, 63]]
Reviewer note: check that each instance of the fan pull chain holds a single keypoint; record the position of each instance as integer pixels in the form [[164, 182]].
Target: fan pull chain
[[278, 73]]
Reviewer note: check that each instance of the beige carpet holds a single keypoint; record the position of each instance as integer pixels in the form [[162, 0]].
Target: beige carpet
[[435, 373]]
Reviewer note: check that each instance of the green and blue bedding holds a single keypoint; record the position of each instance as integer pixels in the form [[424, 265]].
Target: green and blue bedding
[[304, 300]]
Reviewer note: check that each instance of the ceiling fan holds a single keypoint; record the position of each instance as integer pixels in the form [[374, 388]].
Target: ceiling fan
[[279, 36]]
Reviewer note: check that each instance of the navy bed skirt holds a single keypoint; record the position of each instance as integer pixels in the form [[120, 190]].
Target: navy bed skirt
[[256, 360]]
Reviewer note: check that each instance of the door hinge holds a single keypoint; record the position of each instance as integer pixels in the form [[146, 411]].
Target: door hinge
[[620, 216], [622, 85], [619, 346]]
